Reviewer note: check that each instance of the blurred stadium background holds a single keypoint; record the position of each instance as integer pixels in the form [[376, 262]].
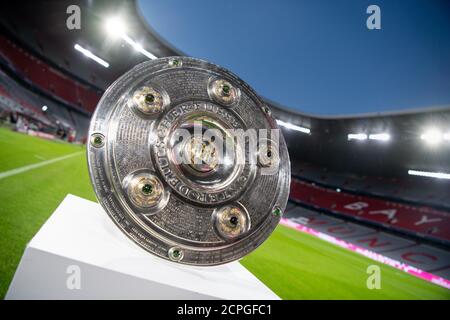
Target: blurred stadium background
[[372, 189]]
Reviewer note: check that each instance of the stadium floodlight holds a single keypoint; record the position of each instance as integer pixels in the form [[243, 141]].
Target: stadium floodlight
[[380, 136], [357, 136], [447, 136], [44, 108], [432, 136], [90, 55], [138, 47], [438, 175], [291, 126], [116, 28]]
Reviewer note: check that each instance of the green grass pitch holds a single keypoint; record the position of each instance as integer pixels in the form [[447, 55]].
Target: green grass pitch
[[294, 265]]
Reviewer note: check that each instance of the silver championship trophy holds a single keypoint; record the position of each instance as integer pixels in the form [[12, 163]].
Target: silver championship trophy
[[188, 161]]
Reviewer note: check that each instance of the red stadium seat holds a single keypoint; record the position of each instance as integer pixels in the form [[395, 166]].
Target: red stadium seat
[[47, 78]]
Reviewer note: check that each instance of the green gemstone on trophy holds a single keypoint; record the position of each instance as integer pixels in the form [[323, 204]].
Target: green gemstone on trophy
[[147, 188], [226, 89], [149, 98], [98, 140], [276, 212]]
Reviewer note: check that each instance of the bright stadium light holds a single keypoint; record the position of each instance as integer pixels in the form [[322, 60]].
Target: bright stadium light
[[357, 136], [380, 136], [116, 28], [438, 175], [44, 108], [90, 55], [138, 47], [291, 126], [432, 136], [447, 136]]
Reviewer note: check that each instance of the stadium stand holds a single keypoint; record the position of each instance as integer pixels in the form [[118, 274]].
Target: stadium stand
[[47, 78], [410, 252], [14, 98], [408, 189], [420, 221]]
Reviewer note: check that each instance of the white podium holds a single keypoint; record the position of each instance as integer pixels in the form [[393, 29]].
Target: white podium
[[80, 254]]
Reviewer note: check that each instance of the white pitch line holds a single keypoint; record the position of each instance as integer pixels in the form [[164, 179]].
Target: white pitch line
[[13, 172]]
